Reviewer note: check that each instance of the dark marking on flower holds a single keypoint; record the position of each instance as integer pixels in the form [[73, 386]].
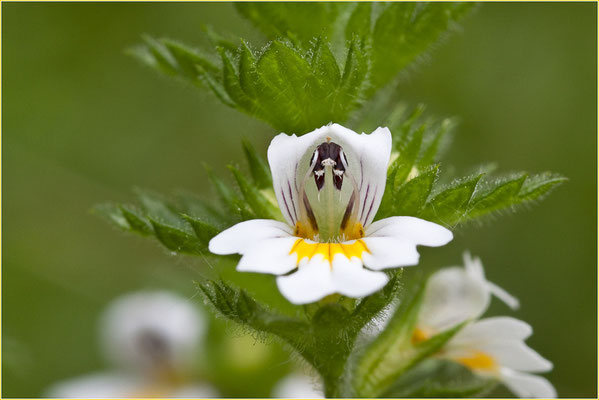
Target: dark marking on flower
[[329, 154]]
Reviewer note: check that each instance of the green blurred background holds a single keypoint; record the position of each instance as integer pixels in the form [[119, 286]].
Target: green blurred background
[[84, 123]]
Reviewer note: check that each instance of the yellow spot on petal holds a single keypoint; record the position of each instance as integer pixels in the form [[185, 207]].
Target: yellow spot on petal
[[353, 230], [478, 360], [328, 251], [419, 336]]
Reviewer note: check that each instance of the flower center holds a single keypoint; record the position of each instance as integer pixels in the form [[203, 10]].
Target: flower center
[[328, 208], [306, 249], [479, 361]]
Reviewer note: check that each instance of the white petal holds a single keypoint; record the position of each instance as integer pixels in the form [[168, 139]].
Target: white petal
[[451, 297], [353, 280], [411, 229], [527, 385], [297, 386], [503, 339], [494, 329], [371, 157], [368, 156], [474, 267], [392, 241], [503, 295], [142, 329], [269, 256], [97, 386], [387, 252], [311, 282], [244, 235]]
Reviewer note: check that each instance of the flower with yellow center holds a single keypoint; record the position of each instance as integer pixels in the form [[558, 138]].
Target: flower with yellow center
[[329, 184], [490, 346]]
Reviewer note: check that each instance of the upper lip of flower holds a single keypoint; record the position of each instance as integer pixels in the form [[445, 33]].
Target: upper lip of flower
[[330, 244]]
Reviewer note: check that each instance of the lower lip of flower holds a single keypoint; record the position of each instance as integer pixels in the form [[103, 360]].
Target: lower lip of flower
[[305, 249], [479, 361]]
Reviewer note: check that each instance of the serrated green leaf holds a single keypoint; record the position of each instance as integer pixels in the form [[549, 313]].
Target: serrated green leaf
[[189, 60], [408, 154], [300, 22], [450, 206], [260, 205], [227, 196], [232, 85], [202, 229], [177, 239], [258, 167], [359, 23], [501, 195], [240, 307], [433, 142], [355, 79], [324, 66], [113, 213], [405, 30], [159, 57], [537, 186], [159, 209], [137, 222], [412, 195]]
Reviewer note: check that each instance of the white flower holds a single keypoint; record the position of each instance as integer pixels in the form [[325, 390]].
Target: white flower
[[491, 346], [298, 386], [152, 338], [151, 330], [329, 184]]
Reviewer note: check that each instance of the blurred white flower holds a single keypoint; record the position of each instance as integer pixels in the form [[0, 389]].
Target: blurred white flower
[[329, 184], [152, 338], [298, 386], [491, 346]]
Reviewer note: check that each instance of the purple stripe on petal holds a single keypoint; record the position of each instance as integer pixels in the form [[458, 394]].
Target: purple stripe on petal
[[292, 201], [371, 205], [364, 203], [287, 206]]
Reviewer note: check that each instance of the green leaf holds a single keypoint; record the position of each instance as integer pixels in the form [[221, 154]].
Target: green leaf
[[114, 214], [436, 378], [411, 196], [227, 196], [178, 240], [261, 206], [203, 230], [137, 222], [300, 22], [538, 186], [500, 195], [238, 306], [449, 207], [403, 31], [359, 23], [408, 154], [258, 167]]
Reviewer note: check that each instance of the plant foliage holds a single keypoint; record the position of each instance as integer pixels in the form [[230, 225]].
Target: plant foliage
[[304, 77]]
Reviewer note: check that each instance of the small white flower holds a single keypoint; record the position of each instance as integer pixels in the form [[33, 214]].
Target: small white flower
[[491, 346], [150, 331], [329, 184], [153, 339]]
